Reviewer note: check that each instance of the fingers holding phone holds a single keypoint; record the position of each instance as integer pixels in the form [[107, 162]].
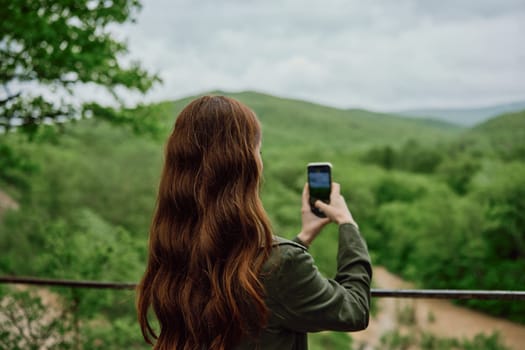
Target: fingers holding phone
[[336, 210], [324, 196]]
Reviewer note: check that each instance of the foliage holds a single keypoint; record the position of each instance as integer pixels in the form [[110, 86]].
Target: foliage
[[41, 319], [396, 340], [69, 44], [14, 166], [329, 341], [87, 248], [406, 315], [27, 323], [458, 171], [412, 156], [504, 134]]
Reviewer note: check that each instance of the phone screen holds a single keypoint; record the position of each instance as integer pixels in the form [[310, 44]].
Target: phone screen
[[319, 184]]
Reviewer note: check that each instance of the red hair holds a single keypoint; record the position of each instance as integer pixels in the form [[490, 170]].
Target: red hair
[[209, 235]]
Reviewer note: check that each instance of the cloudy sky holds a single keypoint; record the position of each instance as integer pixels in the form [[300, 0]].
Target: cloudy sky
[[383, 55]]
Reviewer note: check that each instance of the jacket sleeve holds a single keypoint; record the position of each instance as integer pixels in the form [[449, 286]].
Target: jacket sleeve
[[308, 302]]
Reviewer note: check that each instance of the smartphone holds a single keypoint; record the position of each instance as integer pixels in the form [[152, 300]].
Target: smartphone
[[319, 184]]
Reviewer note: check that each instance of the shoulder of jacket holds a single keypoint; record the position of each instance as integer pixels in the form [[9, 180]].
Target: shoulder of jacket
[[284, 252], [283, 242]]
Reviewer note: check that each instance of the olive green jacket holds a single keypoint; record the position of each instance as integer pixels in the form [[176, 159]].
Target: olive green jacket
[[301, 300]]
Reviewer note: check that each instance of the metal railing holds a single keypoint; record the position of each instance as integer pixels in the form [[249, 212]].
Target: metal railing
[[379, 293]]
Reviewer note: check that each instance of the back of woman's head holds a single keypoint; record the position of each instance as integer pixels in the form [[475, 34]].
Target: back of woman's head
[[210, 235]]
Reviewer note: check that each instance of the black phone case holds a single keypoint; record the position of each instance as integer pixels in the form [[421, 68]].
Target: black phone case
[[316, 211], [312, 200]]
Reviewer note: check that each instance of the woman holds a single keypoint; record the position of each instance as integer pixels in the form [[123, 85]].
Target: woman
[[216, 276]]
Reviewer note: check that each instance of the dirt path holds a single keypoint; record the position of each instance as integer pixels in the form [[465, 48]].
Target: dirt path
[[6, 202], [440, 317]]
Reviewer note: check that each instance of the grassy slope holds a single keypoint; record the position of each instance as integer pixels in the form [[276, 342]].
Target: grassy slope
[[505, 122], [292, 122], [506, 133], [502, 137]]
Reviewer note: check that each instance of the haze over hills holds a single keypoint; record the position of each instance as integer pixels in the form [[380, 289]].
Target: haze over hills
[[291, 121], [465, 116], [446, 118]]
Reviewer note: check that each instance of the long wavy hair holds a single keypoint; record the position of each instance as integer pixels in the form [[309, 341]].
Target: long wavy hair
[[209, 235]]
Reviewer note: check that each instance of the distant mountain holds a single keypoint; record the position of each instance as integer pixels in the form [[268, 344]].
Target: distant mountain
[[501, 137], [290, 122], [505, 123], [465, 116]]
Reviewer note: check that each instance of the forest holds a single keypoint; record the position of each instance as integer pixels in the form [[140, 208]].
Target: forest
[[439, 204]]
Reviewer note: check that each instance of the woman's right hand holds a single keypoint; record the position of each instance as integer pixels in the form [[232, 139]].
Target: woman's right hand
[[337, 211]]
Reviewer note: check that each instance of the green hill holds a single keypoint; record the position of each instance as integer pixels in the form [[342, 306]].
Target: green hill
[[505, 133], [289, 122], [503, 123], [467, 116], [501, 137]]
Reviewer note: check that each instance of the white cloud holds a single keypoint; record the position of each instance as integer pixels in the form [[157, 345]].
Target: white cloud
[[379, 55]]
